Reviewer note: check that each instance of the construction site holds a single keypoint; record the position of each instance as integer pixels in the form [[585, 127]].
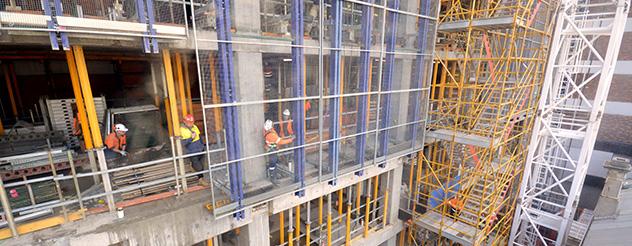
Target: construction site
[[315, 122]]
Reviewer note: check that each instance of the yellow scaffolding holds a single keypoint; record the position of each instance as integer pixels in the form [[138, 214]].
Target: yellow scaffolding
[[489, 65]]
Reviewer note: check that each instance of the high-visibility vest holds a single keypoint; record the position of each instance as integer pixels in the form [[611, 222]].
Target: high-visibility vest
[[186, 132]]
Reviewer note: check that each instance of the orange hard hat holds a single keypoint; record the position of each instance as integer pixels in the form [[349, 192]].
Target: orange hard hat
[[189, 118]]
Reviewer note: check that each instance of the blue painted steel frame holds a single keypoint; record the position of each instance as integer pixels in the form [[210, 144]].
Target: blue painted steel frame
[[150, 44], [419, 66], [227, 86], [334, 86], [152, 19], [140, 13], [387, 81], [52, 25], [365, 69], [298, 76]]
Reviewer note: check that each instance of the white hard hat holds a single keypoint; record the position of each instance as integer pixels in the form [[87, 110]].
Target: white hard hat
[[286, 112], [267, 125], [120, 127]]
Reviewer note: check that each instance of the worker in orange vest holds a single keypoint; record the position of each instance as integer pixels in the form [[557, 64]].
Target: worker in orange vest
[[272, 144], [288, 121], [456, 206], [116, 142]]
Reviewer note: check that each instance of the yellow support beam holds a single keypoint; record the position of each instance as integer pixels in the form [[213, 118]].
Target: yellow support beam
[[298, 222], [81, 109], [281, 228], [181, 91], [385, 208], [217, 115], [86, 90], [169, 119], [329, 229], [171, 92], [366, 215], [1, 128], [209, 242], [290, 240], [348, 226], [340, 206], [187, 84], [7, 78], [320, 212], [40, 224]]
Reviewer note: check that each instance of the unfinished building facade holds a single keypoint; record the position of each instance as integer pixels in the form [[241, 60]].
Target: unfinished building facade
[[345, 85]]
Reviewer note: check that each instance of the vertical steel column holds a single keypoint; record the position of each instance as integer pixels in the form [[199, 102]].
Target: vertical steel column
[[387, 82], [298, 117], [64, 37], [419, 67], [151, 20], [140, 13], [231, 121], [365, 69], [334, 86]]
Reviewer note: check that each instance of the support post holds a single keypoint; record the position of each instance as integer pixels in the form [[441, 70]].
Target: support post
[[387, 80], [365, 70], [298, 90], [173, 113], [334, 87], [86, 91]]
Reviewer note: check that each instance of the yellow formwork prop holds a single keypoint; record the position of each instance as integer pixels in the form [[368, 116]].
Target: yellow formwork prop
[[298, 222], [88, 100], [81, 109], [171, 92], [281, 227], [182, 100]]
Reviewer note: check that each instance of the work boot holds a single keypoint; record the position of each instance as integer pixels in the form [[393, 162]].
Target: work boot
[[202, 182]]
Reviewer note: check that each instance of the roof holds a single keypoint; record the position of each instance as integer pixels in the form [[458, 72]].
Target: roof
[[613, 231]]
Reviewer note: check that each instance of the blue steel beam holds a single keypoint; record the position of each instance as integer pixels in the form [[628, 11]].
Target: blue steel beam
[[140, 13], [51, 25], [227, 86], [420, 64], [151, 20], [334, 86], [387, 80], [64, 37], [365, 69], [298, 76]]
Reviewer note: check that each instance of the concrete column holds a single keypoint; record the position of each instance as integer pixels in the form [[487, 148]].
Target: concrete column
[[246, 16], [257, 232], [250, 87], [608, 204], [249, 81], [401, 78]]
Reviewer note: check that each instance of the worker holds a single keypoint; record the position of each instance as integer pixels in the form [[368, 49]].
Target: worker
[[272, 143], [193, 144], [116, 142], [288, 121], [456, 206]]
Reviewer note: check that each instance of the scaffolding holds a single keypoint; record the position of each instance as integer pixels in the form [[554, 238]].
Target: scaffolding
[[489, 66], [566, 126]]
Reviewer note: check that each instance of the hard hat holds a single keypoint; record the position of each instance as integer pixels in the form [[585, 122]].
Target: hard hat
[[189, 118], [267, 125], [286, 112], [120, 127]]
